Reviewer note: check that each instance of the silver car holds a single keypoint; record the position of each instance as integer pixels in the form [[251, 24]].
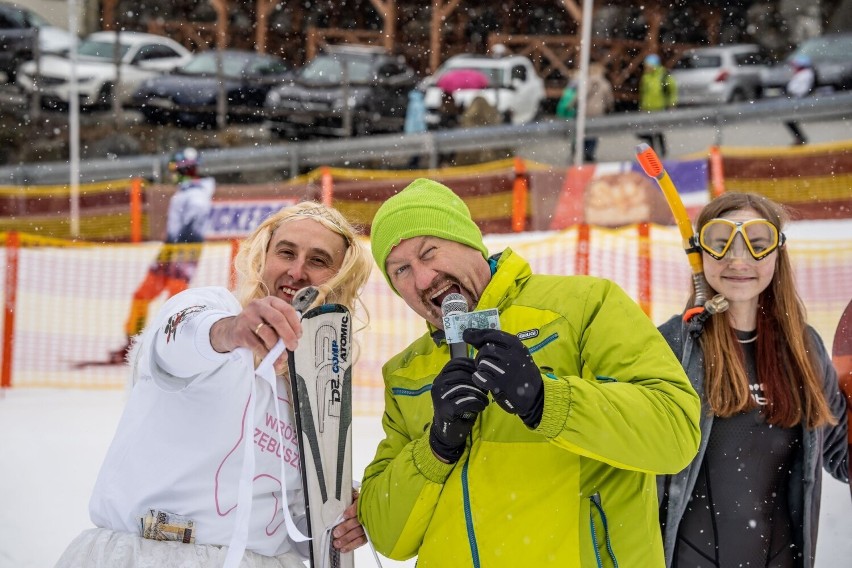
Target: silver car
[[720, 74], [831, 59]]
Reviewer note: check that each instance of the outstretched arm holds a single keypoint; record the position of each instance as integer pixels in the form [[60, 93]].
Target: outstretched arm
[[258, 327]]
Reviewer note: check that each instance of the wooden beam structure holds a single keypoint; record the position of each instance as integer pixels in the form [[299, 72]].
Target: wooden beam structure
[[262, 11], [108, 14], [428, 33], [221, 8], [440, 10], [387, 9], [572, 8]]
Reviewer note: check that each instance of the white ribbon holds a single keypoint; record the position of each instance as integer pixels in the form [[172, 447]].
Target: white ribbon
[[266, 371]]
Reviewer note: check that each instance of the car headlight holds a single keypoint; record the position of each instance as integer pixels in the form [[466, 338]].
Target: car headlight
[[85, 79]]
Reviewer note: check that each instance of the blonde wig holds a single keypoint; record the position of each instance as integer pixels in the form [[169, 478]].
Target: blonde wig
[[343, 288]]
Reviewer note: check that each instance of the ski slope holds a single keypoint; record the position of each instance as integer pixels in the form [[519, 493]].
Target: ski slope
[[52, 443]]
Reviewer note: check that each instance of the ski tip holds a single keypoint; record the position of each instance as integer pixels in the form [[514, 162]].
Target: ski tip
[[649, 161]]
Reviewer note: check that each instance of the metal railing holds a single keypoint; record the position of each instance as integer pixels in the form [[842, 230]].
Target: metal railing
[[295, 157]]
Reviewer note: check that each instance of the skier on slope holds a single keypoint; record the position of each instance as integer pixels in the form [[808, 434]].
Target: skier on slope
[[181, 440], [178, 259]]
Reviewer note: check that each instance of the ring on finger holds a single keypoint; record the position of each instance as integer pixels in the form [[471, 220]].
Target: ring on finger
[[260, 325]]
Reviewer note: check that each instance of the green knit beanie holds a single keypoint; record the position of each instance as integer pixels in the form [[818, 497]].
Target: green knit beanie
[[424, 208]]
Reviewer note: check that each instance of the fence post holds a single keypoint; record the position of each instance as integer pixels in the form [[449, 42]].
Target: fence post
[[581, 261], [520, 190], [644, 260], [13, 244], [136, 210], [717, 174], [327, 186]]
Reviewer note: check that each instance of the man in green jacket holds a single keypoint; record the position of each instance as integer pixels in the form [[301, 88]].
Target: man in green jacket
[[657, 91], [540, 449]]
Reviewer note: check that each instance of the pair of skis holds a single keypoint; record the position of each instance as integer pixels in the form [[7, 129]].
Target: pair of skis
[[321, 386]]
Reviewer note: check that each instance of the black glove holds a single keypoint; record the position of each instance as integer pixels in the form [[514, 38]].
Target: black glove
[[505, 367], [456, 401]]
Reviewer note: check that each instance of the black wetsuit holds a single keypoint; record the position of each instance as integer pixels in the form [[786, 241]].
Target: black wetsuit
[[739, 513]]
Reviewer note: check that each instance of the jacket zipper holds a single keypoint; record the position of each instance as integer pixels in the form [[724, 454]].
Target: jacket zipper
[[549, 339], [468, 518], [596, 501]]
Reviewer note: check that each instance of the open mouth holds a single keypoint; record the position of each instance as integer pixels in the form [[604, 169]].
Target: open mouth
[[439, 294], [287, 293]]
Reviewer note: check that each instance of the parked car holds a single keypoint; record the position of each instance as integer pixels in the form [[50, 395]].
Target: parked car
[[831, 56], [19, 28], [720, 74], [188, 95], [346, 90], [514, 87], [141, 56]]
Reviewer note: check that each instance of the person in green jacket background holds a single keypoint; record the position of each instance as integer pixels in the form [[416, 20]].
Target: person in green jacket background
[[541, 447], [657, 91]]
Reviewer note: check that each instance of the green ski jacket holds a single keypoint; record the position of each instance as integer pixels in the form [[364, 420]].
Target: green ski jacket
[[580, 489]]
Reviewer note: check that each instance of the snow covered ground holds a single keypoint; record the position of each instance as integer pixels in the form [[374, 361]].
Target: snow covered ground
[[52, 443]]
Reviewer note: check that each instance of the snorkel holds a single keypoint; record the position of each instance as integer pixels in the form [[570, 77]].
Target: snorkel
[[702, 307]]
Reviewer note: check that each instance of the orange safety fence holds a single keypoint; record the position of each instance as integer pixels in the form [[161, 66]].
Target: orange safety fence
[[70, 302], [109, 211], [511, 195], [499, 194]]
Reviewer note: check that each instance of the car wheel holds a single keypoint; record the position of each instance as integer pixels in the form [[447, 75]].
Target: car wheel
[[285, 133], [152, 116], [105, 95], [738, 96], [360, 127]]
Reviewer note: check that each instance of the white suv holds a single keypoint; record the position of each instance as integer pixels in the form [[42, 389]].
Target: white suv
[[720, 74], [141, 55], [513, 87]]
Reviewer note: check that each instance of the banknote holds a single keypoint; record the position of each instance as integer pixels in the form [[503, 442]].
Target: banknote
[[161, 525], [455, 324]]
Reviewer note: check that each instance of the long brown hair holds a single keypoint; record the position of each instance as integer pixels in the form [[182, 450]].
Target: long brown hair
[[790, 376]]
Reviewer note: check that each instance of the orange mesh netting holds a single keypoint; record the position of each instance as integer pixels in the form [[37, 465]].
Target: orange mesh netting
[[72, 301]]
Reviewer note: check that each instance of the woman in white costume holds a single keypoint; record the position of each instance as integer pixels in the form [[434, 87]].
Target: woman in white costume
[[180, 443]]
